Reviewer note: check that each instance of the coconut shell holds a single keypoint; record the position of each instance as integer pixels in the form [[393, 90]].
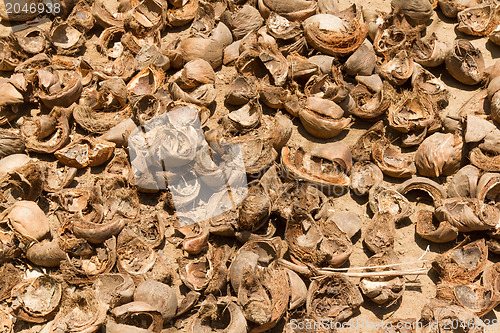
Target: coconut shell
[[333, 297], [337, 35], [439, 154], [465, 63]]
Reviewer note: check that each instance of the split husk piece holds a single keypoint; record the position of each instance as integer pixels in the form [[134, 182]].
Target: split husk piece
[[383, 290], [326, 167], [391, 161], [37, 300], [379, 234], [333, 297], [337, 35], [320, 244], [468, 214], [429, 228], [463, 263]]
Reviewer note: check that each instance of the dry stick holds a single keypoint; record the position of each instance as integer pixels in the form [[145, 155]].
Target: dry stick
[[327, 271]]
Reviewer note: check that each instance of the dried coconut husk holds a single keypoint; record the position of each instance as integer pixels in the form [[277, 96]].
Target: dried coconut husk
[[150, 227], [475, 298], [32, 40], [476, 105], [491, 143], [297, 10], [45, 253], [9, 249], [11, 276], [24, 183], [27, 221], [316, 243], [98, 232], [429, 52], [110, 43], [298, 193], [331, 87], [206, 273], [484, 160], [379, 234], [362, 149], [98, 122], [87, 202], [203, 95], [66, 39], [337, 35], [465, 63], [433, 189], [326, 167], [85, 269], [301, 67], [146, 17], [12, 162], [383, 199], [39, 126], [364, 175], [146, 81], [241, 90], [362, 61], [413, 113], [488, 187], [333, 297], [289, 35], [257, 153], [322, 118], [439, 154], [254, 210], [417, 12], [81, 16], [479, 20], [7, 115], [118, 197], [135, 257], [243, 21], [264, 295], [451, 8], [221, 315], [197, 48], [8, 59], [393, 35], [114, 289], [64, 93], [397, 68], [369, 105], [37, 300], [11, 142], [424, 82], [108, 13], [255, 255], [463, 263], [158, 295], [429, 228], [384, 291], [81, 312], [85, 152], [48, 144], [181, 15], [391, 161], [444, 314], [122, 67], [468, 214], [464, 183]]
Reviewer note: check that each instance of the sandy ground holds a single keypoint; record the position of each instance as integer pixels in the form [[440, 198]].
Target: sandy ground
[[409, 245]]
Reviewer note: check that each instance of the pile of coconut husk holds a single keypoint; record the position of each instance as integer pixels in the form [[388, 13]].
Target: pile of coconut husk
[[144, 188]]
